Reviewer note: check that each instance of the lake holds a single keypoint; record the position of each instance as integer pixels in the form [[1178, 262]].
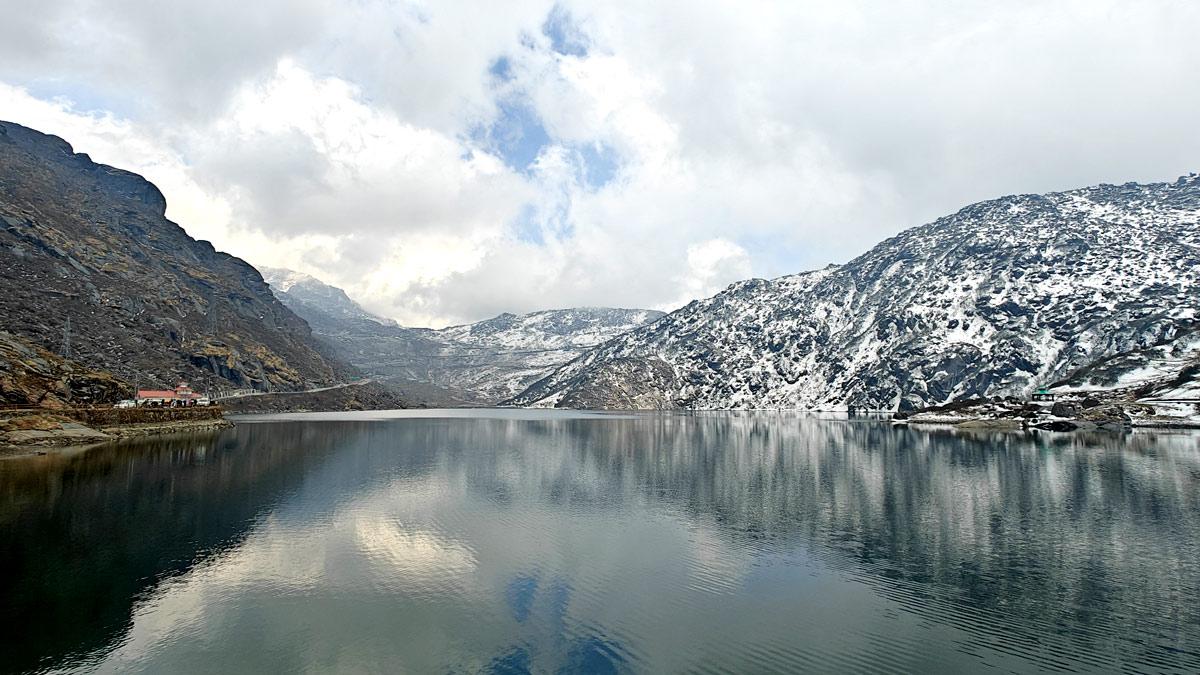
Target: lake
[[555, 542]]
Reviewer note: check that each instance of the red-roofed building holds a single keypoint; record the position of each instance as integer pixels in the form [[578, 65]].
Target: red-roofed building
[[181, 395], [155, 396]]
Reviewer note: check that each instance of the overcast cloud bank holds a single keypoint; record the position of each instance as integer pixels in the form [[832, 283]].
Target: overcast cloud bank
[[444, 162]]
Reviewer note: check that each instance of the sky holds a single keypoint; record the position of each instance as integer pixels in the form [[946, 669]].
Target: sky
[[447, 161]]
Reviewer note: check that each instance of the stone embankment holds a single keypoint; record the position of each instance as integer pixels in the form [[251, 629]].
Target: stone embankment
[[66, 427]]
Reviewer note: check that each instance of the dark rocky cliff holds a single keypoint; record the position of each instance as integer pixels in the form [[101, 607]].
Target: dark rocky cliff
[[90, 243]]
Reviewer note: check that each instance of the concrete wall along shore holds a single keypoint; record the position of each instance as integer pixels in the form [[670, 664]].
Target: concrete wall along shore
[[109, 417]]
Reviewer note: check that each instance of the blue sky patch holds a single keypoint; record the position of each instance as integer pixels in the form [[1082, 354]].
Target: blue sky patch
[[600, 164], [534, 224], [83, 97], [517, 134], [565, 36], [501, 69], [527, 226]]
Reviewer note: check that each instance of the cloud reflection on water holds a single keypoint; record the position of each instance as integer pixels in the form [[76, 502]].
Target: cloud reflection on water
[[660, 543]]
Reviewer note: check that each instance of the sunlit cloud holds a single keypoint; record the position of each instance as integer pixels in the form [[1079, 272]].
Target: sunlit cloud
[[446, 162]]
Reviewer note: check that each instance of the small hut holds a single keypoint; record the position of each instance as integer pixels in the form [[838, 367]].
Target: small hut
[[1043, 395]]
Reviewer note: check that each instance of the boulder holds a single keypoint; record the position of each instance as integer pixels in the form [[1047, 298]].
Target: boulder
[[1066, 409], [1106, 415], [991, 424], [1057, 425]]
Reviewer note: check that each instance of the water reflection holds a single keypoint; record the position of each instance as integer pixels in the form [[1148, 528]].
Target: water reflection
[[82, 536], [559, 543]]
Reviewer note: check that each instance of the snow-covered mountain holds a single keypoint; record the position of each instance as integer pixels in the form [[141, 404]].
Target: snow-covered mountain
[[296, 289], [497, 358], [1095, 287], [1166, 371], [479, 363], [549, 330]]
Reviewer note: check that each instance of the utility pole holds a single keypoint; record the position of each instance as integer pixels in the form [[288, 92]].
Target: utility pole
[[65, 350], [212, 314], [66, 354]]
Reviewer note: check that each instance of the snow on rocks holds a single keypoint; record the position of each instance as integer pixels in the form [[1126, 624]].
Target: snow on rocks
[[1092, 288]]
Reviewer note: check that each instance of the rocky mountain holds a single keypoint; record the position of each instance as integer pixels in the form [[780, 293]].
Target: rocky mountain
[[91, 269], [1095, 287], [354, 396], [35, 377], [481, 363], [497, 358], [306, 295], [1168, 370]]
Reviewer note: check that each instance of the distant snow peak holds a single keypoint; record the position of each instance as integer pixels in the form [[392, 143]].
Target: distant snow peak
[[283, 279], [297, 288], [481, 363]]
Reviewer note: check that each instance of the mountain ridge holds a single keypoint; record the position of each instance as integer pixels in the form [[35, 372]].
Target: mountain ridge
[[93, 268], [480, 363], [996, 299]]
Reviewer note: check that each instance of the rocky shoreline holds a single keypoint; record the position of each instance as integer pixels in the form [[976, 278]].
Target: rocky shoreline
[[135, 430], [35, 433], [1072, 412]]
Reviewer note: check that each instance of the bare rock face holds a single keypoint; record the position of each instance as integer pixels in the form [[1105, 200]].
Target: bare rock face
[[32, 376], [995, 300], [625, 384], [364, 396], [48, 431], [89, 243]]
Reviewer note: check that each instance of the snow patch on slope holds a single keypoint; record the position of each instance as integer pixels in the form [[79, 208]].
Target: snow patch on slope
[[997, 299]]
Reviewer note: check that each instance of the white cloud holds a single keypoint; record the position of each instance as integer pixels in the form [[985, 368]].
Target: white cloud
[[689, 145], [710, 264], [310, 156], [119, 142]]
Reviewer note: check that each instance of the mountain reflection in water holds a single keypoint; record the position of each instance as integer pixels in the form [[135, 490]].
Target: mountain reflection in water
[[517, 541]]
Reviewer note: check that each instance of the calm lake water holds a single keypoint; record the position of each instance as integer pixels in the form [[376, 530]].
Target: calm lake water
[[547, 542]]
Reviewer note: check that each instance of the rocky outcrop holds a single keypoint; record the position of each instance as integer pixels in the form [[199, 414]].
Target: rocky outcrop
[[21, 430], [996, 300], [91, 267], [32, 376], [1066, 409], [364, 396], [1106, 416], [625, 384], [47, 431]]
